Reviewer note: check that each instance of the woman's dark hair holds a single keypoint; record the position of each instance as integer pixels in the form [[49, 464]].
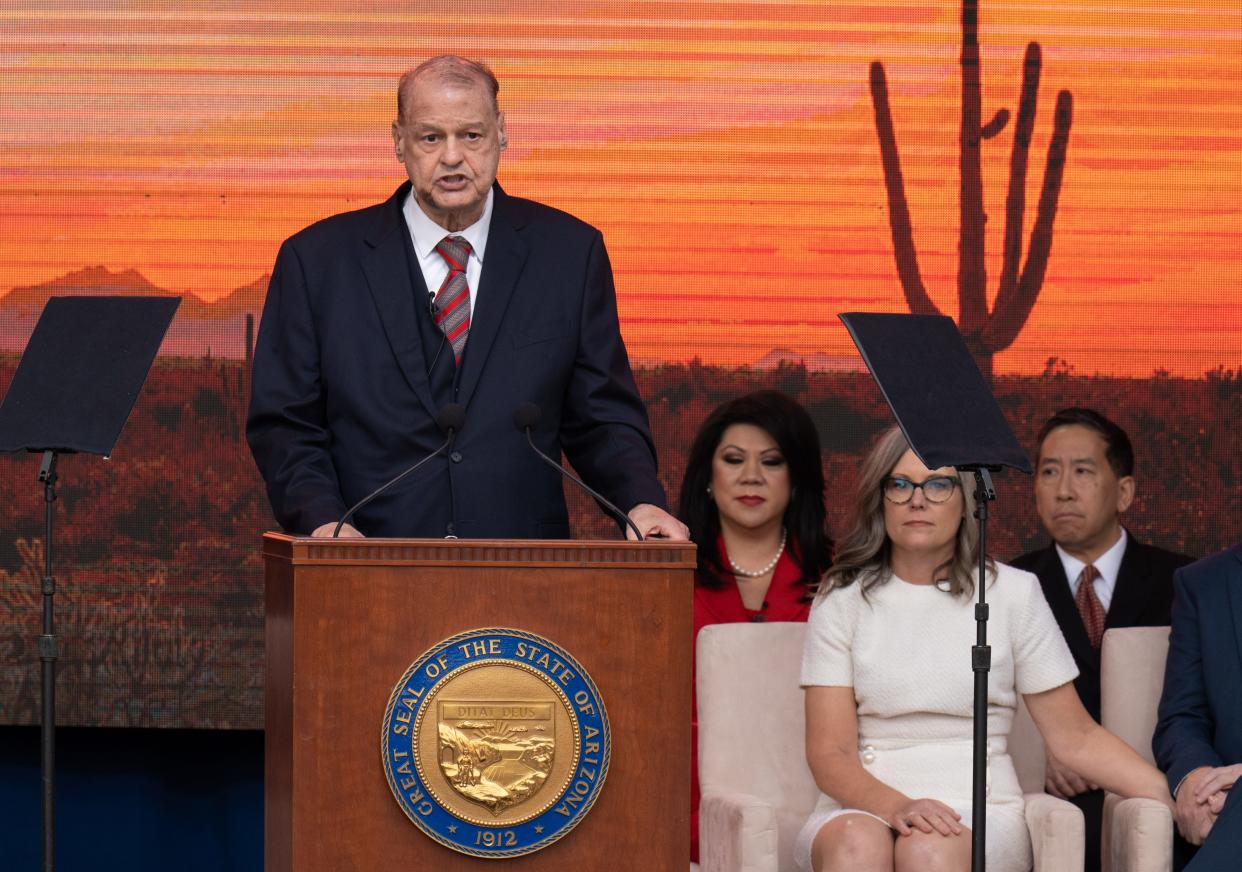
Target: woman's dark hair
[[782, 418]]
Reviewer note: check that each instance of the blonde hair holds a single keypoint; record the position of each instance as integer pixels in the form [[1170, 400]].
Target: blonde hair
[[864, 554]]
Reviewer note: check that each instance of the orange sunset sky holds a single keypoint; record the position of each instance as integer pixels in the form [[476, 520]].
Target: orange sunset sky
[[727, 150]]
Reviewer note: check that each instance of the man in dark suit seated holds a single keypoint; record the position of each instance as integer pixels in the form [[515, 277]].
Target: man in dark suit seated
[[1094, 575], [1198, 739], [451, 292]]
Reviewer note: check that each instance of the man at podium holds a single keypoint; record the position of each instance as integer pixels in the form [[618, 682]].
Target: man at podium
[[450, 294]]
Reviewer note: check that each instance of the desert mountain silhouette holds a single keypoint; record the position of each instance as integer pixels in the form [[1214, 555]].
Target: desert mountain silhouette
[[97, 280]]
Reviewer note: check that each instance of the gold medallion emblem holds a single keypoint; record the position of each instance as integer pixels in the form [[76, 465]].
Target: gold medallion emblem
[[495, 742], [493, 748]]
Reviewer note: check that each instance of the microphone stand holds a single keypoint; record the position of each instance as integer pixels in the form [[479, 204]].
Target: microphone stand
[[336, 531], [981, 662], [616, 513]]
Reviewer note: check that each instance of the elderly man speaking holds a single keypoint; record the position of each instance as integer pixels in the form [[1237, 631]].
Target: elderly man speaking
[[451, 292]]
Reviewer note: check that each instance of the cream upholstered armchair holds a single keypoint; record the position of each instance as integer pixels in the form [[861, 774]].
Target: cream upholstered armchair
[[757, 790], [1138, 833]]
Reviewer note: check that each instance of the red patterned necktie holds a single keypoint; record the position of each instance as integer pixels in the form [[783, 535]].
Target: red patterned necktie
[[452, 305], [1090, 609]]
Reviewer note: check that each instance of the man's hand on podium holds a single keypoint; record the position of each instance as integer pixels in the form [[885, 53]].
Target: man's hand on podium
[[655, 523], [348, 531]]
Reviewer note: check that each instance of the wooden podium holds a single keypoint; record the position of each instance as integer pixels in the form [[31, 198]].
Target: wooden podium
[[347, 617]]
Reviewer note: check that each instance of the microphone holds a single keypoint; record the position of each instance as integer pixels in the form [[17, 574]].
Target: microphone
[[450, 420], [526, 418]]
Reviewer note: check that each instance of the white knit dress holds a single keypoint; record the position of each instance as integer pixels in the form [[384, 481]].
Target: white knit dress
[[905, 650]]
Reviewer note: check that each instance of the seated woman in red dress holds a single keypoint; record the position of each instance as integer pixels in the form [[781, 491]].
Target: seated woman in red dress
[[753, 498]]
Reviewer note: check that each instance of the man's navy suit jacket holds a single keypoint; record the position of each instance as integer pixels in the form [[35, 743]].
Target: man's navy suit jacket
[[1200, 720], [1141, 598], [341, 400]]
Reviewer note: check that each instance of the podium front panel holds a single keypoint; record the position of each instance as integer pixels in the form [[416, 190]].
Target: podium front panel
[[347, 617]]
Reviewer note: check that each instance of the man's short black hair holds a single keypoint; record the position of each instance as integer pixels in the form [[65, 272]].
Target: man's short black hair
[[1117, 447]]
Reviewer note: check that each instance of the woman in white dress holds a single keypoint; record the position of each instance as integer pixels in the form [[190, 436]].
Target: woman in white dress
[[889, 689]]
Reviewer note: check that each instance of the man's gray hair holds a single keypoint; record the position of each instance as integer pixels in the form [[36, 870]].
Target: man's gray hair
[[452, 69]]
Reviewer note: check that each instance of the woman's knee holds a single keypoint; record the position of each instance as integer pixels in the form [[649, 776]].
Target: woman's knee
[[853, 842], [932, 852]]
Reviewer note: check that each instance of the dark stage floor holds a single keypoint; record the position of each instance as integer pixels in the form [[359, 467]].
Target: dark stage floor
[[136, 800]]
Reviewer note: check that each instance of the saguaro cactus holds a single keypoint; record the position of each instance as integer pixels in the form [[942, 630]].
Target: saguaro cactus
[[985, 332]]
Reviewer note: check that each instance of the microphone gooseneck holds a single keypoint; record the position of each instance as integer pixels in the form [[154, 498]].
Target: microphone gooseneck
[[450, 421], [525, 418]]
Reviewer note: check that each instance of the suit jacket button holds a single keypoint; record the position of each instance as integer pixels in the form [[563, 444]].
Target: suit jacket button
[[455, 457]]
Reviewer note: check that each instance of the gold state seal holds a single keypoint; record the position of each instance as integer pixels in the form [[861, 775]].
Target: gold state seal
[[495, 742]]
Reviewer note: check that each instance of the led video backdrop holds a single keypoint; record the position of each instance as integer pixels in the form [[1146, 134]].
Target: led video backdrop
[[756, 168]]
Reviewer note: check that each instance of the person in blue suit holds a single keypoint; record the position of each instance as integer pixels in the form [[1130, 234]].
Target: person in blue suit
[[1198, 738], [452, 291]]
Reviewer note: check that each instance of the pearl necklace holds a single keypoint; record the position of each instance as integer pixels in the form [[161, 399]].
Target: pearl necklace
[[746, 573]]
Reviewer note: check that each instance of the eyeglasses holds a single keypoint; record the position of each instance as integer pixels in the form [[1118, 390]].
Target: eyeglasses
[[937, 488]]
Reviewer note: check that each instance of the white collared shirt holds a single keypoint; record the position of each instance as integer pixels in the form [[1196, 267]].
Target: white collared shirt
[[1108, 565], [426, 235]]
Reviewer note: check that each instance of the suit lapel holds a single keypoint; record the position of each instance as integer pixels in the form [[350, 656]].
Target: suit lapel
[[1132, 588], [502, 265], [1057, 592], [388, 277]]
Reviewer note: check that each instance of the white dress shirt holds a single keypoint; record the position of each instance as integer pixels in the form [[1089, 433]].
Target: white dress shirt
[[426, 235]]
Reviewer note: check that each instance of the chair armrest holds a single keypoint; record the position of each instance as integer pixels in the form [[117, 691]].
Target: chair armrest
[[737, 833], [1138, 835], [1057, 832]]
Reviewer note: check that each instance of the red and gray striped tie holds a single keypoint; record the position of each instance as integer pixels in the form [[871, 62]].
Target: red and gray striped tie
[[452, 305], [1090, 609]]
